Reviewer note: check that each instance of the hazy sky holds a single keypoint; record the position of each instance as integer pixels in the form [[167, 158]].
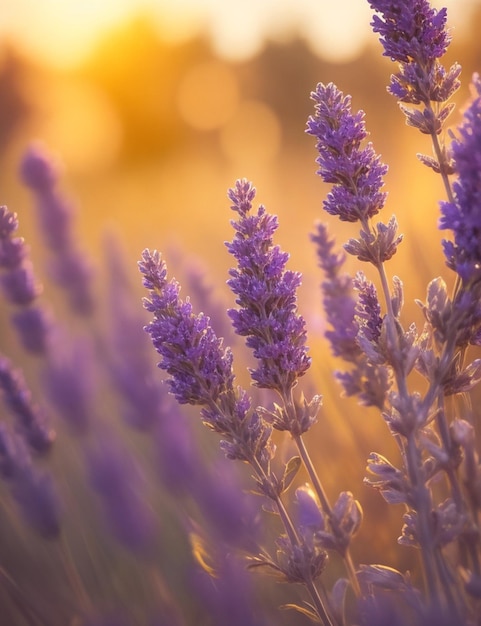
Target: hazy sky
[[62, 32]]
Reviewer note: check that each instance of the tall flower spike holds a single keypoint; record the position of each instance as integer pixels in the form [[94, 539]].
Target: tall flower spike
[[356, 172], [69, 266], [338, 298], [462, 216], [31, 421], [266, 295], [200, 368], [414, 34], [20, 286], [33, 490]]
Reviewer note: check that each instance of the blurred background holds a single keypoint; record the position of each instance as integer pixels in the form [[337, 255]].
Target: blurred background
[[155, 107]]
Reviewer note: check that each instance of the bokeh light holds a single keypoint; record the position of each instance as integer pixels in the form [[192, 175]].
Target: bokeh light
[[156, 107]]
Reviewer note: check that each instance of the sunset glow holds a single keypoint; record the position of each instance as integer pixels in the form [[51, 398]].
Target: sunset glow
[[63, 32]]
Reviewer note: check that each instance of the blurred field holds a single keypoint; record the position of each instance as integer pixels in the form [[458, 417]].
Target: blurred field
[[152, 134]]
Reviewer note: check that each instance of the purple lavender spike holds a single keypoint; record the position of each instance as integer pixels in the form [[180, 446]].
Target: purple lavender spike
[[131, 365], [117, 480], [70, 267], [33, 490], [462, 215], [357, 173], [31, 420], [266, 295], [200, 368], [21, 288], [339, 302], [69, 382], [415, 35]]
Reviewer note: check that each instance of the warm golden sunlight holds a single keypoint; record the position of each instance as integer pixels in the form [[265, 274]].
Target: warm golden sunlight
[[340, 400], [64, 32]]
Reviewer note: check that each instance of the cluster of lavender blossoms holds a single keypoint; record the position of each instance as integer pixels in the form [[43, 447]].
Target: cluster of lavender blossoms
[[436, 474], [118, 508]]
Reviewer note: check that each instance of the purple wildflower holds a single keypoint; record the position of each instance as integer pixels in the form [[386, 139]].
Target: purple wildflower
[[34, 325], [130, 364], [339, 302], [21, 287], [368, 309], [355, 172], [266, 295], [414, 34], [410, 30], [33, 490], [117, 480], [354, 326], [31, 421], [462, 215], [70, 268], [69, 382], [200, 367]]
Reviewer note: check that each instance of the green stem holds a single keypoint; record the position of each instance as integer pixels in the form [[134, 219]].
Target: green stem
[[326, 507], [421, 493]]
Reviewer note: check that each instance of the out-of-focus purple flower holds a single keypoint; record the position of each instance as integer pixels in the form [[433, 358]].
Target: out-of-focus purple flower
[[30, 419], [21, 287], [34, 326], [33, 490], [203, 298], [414, 34], [229, 598], [338, 299], [12, 249], [178, 455], [368, 309], [70, 268], [230, 513], [266, 295], [117, 479], [356, 172], [462, 216], [130, 361], [69, 381], [350, 320], [309, 513]]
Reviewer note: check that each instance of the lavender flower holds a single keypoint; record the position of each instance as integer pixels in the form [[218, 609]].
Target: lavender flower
[[21, 288], [200, 367], [462, 215], [266, 294], [349, 321], [33, 490], [69, 266], [69, 382], [356, 172], [338, 298], [414, 34], [121, 488], [31, 420], [130, 363]]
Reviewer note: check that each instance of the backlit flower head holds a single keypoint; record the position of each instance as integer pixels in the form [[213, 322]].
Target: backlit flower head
[[266, 295], [463, 215], [414, 34], [200, 367], [355, 171]]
